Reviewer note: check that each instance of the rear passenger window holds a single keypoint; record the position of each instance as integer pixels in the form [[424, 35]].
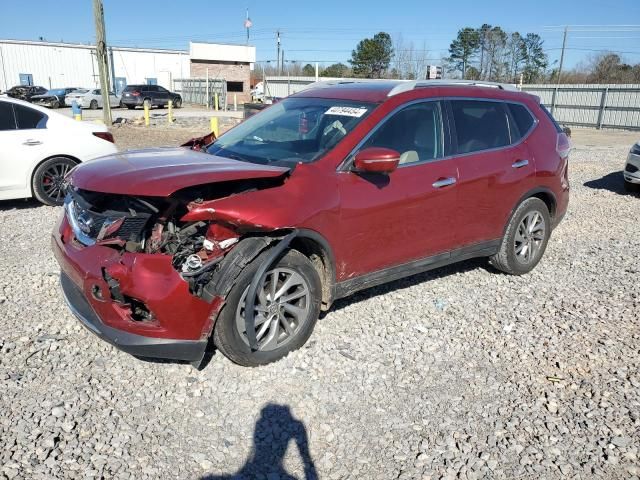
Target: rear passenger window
[[415, 132], [480, 125], [523, 121], [28, 118], [7, 120]]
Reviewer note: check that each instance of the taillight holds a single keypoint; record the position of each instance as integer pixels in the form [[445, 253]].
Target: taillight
[[105, 136], [563, 145], [135, 93]]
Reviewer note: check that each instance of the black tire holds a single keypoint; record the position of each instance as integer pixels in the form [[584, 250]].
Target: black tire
[[55, 104], [177, 103], [93, 105], [147, 102], [510, 258], [160, 105], [233, 344], [631, 187], [131, 107], [47, 180]]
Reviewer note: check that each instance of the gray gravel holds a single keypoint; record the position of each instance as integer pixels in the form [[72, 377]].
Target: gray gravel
[[459, 373]]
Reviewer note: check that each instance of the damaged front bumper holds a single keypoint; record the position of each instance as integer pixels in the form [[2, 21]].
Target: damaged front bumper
[[188, 350], [106, 289]]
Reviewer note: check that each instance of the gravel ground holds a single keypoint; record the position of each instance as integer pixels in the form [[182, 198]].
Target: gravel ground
[[458, 373]]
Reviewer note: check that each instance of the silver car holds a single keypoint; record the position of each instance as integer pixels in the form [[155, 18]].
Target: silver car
[[632, 170], [92, 99]]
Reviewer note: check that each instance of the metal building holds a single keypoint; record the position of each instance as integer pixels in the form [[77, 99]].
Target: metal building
[[57, 65]]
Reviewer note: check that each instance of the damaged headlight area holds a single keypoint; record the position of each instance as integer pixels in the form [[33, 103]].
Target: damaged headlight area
[[152, 226]]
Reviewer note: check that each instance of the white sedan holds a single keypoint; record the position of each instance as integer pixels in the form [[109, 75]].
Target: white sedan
[[39, 147], [91, 98]]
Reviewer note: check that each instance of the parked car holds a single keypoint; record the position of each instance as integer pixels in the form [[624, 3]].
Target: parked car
[[54, 98], [632, 170], [25, 92], [39, 147], [91, 98], [335, 189], [152, 95]]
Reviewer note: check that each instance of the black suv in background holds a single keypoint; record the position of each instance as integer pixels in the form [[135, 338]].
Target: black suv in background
[[25, 92], [138, 95]]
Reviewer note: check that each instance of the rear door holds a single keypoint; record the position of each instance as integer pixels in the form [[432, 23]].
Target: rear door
[[495, 168], [23, 140], [387, 220]]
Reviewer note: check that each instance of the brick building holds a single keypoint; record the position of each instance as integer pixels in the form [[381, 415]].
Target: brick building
[[232, 63]]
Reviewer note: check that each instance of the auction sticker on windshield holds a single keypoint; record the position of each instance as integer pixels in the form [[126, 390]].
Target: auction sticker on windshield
[[346, 111]]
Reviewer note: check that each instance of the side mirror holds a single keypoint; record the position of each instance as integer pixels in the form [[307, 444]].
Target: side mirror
[[376, 160]]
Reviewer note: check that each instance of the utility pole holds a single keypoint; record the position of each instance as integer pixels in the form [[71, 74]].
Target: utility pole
[[278, 54], [564, 44], [555, 91], [101, 55]]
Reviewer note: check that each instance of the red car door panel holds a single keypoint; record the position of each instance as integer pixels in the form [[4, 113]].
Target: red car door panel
[[392, 219]]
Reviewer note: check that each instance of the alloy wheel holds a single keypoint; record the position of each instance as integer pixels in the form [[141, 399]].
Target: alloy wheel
[[53, 181], [529, 237], [281, 308]]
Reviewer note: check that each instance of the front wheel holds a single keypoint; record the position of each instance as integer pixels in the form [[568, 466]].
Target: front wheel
[[48, 180], [177, 103], [526, 238], [286, 310], [93, 105]]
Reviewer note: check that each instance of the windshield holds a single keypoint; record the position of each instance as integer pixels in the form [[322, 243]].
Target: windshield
[[293, 130]]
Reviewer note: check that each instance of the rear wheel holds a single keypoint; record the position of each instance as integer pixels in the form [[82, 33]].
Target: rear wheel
[[177, 103], [131, 107], [286, 310], [93, 105], [526, 238], [55, 104], [48, 180]]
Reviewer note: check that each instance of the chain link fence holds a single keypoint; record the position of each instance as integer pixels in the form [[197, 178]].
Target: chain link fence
[[195, 91]]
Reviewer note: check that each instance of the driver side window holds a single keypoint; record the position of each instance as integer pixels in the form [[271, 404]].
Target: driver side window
[[415, 132]]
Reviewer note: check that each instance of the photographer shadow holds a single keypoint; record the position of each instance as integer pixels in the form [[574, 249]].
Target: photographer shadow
[[274, 430]]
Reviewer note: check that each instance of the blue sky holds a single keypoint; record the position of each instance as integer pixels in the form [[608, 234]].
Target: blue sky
[[327, 31]]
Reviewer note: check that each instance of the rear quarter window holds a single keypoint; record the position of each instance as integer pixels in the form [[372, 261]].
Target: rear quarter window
[[523, 120]]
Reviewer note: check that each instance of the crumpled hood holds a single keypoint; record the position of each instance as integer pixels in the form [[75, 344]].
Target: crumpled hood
[[162, 171]]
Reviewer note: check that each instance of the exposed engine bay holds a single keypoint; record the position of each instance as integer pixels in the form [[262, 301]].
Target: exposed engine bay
[[152, 225]]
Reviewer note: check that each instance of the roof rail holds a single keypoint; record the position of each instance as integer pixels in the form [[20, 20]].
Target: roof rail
[[413, 84]]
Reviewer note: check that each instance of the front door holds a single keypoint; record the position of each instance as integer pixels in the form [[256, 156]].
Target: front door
[[387, 220]]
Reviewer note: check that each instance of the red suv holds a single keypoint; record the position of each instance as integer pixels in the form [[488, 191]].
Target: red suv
[[335, 189]]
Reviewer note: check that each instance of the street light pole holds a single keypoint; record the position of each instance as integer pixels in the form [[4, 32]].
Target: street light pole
[[101, 56]]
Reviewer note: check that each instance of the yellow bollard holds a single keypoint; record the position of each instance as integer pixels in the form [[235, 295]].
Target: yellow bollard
[[170, 115], [216, 101], [214, 126], [78, 116], [146, 115]]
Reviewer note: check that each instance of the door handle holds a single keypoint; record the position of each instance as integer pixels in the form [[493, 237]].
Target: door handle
[[520, 164], [32, 142], [445, 182]]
